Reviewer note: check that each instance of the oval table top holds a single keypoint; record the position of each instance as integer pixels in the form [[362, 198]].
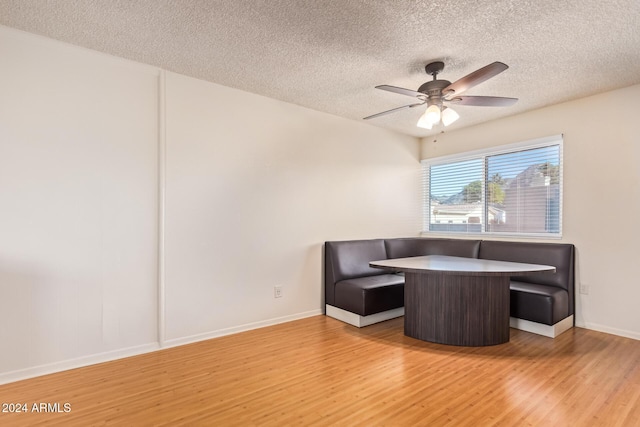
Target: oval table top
[[459, 265]]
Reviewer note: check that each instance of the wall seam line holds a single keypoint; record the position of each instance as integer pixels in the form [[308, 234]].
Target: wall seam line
[[161, 205]]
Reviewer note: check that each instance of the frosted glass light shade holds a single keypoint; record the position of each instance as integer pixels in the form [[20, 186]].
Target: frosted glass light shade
[[449, 116], [433, 114], [424, 122]]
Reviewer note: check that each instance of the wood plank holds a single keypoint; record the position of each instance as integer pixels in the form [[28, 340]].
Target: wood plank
[[319, 371]]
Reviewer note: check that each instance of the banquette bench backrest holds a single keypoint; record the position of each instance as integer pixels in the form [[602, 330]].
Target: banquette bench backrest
[[408, 247], [351, 259]]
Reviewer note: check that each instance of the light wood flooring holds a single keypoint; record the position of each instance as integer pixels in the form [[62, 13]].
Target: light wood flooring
[[319, 371]]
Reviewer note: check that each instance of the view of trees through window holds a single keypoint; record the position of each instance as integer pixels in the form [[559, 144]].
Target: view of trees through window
[[509, 192]]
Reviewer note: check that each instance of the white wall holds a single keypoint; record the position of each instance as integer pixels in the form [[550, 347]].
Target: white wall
[[78, 205], [601, 194], [253, 186]]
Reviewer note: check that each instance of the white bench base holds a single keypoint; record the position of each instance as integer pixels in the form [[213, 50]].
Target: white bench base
[[360, 321], [356, 320], [550, 331]]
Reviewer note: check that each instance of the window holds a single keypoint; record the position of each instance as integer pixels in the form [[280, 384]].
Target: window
[[508, 190]]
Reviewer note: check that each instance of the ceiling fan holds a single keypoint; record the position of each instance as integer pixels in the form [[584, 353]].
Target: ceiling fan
[[436, 93]]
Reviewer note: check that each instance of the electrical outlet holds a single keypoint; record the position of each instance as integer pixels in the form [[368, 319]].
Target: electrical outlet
[[277, 291], [584, 289]]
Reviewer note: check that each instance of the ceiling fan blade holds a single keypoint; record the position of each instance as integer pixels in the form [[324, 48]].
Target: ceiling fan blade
[[400, 90], [483, 101], [473, 79], [393, 110]]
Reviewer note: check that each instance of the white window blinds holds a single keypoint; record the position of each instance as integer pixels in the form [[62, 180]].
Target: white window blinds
[[514, 190]]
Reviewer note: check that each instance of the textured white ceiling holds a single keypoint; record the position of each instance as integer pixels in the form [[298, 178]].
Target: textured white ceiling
[[329, 55]]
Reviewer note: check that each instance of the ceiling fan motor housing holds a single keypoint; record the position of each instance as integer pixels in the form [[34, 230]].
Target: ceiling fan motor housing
[[433, 89]]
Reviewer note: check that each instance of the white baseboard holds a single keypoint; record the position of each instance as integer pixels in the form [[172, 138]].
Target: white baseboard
[[65, 365], [550, 331], [360, 321], [236, 329], [609, 330]]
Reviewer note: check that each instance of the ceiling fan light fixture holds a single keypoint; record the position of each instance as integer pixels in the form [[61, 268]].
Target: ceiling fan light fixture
[[424, 122], [449, 116], [433, 114]]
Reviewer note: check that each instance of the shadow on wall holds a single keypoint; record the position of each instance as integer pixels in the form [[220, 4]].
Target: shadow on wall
[[310, 273]]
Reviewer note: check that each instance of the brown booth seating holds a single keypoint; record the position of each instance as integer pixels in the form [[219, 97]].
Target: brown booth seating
[[361, 295]]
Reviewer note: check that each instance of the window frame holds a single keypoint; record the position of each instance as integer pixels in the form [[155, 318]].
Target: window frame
[[554, 140]]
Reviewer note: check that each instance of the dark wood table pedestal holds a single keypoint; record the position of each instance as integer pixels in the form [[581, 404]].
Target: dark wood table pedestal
[[457, 309]]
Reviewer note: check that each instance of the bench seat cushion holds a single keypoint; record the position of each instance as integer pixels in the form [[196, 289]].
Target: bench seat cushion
[[539, 303], [370, 295]]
